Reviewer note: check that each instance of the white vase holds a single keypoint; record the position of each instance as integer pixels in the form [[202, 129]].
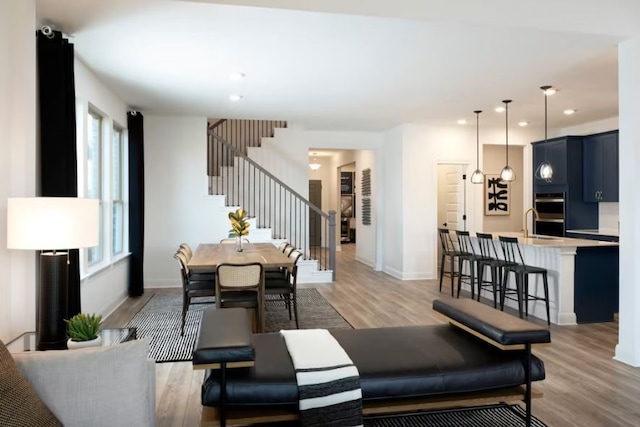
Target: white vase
[[72, 345]]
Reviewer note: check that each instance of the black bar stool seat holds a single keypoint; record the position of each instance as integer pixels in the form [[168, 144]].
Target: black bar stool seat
[[515, 264]]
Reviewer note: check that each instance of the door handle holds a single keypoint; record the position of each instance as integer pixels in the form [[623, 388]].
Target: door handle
[[444, 224]]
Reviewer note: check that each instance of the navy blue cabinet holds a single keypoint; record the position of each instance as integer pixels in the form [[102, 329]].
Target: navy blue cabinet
[[600, 167], [555, 152], [565, 156]]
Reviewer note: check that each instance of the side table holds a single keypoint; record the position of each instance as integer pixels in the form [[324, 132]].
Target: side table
[[27, 341]]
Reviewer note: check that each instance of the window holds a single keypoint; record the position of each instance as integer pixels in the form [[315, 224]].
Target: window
[[117, 191], [102, 175], [94, 176]]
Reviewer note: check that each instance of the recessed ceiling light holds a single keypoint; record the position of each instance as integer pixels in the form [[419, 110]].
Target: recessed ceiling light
[[462, 122], [569, 112], [235, 97], [523, 124], [237, 75], [499, 109]]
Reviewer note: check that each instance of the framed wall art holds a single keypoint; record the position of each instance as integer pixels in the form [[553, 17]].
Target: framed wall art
[[496, 196]]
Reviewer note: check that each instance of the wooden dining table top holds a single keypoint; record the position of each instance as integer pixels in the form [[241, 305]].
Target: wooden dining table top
[[207, 256]]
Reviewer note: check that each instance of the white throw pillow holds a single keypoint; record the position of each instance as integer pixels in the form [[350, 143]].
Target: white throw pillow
[[102, 386]]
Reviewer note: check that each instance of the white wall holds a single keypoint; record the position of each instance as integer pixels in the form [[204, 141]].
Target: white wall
[[422, 147], [18, 159], [391, 185], [103, 291], [177, 208]]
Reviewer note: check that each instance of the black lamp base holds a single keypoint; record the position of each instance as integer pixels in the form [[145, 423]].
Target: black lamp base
[[51, 331]]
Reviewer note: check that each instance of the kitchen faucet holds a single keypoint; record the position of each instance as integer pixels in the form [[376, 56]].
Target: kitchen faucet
[[535, 217]]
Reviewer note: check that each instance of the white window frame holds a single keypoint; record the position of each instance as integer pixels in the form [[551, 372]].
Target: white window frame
[[117, 131], [92, 114], [84, 113]]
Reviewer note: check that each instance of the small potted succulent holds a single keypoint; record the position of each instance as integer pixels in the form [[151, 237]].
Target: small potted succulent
[[84, 331], [239, 225]]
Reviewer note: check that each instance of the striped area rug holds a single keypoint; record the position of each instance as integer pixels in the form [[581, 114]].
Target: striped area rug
[[160, 319], [501, 415]]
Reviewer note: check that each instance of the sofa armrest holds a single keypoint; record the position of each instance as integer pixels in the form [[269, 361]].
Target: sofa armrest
[[224, 337], [102, 386], [490, 324]]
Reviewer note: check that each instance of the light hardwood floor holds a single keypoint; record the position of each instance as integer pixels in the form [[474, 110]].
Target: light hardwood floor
[[585, 387]]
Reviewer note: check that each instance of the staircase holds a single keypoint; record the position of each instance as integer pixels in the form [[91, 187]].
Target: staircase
[[278, 212]]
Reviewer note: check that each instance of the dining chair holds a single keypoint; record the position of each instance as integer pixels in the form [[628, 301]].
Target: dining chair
[[199, 275], [187, 250], [282, 246], [285, 285], [515, 264], [241, 285], [193, 286]]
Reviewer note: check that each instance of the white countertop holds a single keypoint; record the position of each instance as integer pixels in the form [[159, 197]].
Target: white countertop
[[553, 241]]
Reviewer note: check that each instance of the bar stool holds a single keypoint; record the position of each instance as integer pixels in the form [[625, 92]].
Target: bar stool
[[515, 264], [466, 253], [489, 258], [450, 251]]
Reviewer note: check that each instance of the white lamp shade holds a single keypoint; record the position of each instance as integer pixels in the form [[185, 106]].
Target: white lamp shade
[[314, 166], [43, 223]]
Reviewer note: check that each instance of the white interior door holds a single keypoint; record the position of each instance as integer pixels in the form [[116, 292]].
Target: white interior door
[[451, 194]]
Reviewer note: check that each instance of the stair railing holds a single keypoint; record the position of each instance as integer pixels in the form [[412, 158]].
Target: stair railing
[[273, 203]]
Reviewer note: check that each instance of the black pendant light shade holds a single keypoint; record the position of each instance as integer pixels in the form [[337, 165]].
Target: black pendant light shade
[[507, 174], [477, 177], [545, 170]]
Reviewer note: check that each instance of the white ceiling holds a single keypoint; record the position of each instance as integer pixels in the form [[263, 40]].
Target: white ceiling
[[347, 64]]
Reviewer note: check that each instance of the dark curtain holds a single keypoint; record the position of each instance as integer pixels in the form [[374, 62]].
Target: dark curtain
[[58, 155], [135, 123]]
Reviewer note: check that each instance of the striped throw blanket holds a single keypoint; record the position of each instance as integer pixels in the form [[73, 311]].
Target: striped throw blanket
[[328, 382]]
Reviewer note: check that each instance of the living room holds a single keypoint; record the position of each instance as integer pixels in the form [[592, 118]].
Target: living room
[[175, 142]]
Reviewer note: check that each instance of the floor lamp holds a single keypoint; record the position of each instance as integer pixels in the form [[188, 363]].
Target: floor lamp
[[52, 225]]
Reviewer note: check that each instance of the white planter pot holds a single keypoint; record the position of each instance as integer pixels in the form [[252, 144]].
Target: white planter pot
[[72, 345]]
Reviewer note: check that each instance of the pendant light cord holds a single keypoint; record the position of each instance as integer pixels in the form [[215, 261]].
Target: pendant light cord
[[478, 138], [506, 122]]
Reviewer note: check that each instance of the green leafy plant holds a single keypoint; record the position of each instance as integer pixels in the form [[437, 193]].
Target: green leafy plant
[[84, 327], [239, 223]]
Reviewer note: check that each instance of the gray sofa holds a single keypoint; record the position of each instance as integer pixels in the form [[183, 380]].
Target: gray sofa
[[103, 386]]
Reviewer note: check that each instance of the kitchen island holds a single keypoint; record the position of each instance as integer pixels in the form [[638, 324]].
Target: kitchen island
[[583, 277]]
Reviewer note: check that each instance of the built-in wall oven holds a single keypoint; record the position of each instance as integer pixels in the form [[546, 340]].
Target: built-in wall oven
[[550, 207]]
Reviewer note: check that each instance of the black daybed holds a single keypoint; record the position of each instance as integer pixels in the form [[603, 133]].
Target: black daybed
[[480, 357]]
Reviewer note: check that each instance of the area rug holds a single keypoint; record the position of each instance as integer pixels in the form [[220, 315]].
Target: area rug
[[160, 320], [501, 415]]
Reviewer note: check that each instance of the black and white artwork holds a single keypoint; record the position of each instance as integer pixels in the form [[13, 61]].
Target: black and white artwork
[[496, 200]]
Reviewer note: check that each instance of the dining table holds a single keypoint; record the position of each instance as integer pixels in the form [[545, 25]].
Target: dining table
[[208, 256]]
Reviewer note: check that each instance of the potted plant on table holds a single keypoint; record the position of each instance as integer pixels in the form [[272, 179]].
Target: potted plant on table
[[83, 330], [239, 225]]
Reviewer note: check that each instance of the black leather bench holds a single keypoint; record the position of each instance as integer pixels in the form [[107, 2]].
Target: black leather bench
[[482, 355]]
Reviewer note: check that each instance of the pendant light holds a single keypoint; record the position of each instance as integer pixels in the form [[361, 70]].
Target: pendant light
[[314, 165], [477, 177], [507, 174], [544, 169]]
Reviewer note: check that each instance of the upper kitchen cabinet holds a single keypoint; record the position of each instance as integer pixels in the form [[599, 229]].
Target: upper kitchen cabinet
[[565, 156], [600, 169], [555, 152]]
